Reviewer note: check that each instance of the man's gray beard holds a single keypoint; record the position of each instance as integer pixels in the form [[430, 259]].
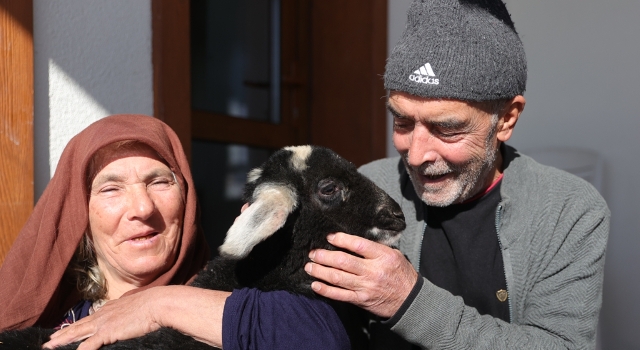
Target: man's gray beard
[[467, 183]]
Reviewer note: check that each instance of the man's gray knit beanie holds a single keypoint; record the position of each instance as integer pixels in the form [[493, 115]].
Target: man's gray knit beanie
[[459, 49]]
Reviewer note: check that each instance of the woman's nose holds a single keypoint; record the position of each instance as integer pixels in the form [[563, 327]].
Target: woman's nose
[[141, 205]]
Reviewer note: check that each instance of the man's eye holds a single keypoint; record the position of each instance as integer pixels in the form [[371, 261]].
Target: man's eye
[[448, 133], [402, 124]]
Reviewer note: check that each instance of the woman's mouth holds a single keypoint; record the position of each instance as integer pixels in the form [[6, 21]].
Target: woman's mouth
[[144, 237]]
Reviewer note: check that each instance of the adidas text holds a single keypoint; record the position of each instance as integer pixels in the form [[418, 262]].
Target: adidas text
[[424, 79]]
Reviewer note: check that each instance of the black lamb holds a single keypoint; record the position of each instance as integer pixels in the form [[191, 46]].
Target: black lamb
[[297, 197]]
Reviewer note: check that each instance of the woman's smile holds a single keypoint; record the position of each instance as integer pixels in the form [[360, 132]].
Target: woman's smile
[[135, 217]]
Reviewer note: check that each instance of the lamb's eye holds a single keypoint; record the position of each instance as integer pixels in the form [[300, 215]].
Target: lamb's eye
[[328, 188]]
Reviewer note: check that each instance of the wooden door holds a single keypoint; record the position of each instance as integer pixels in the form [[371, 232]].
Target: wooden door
[[331, 58], [16, 119], [340, 70]]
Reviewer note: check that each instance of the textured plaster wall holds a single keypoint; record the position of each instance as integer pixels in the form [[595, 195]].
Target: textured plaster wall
[[582, 92], [92, 59]]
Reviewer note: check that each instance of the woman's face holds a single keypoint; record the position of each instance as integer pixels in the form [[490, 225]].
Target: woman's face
[[135, 217]]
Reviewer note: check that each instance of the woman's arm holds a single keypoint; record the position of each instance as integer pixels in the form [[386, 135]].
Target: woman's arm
[[280, 320], [252, 320], [192, 311]]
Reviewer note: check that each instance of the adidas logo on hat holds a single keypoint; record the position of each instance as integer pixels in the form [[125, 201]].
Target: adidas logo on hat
[[424, 75]]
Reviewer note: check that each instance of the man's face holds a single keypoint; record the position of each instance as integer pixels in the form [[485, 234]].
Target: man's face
[[448, 146]]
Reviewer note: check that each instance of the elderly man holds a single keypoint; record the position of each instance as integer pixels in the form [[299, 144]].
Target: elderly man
[[502, 252]]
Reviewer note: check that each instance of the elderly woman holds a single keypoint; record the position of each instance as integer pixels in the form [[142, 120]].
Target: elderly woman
[[118, 218]]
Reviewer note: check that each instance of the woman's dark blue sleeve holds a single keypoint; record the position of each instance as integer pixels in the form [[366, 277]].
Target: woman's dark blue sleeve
[[280, 320]]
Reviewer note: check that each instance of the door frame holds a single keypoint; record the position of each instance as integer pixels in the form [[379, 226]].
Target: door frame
[[345, 107], [16, 118]]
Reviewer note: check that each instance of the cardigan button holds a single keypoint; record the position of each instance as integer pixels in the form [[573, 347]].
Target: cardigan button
[[502, 295]]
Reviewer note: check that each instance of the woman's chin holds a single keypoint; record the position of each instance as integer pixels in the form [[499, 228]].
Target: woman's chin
[[142, 270]]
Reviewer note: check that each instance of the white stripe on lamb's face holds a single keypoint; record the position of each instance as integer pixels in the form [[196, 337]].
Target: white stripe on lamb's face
[[299, 157], [386, 237], [271, 205]]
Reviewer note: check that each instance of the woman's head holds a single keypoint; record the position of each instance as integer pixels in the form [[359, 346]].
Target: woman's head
[[135, 212], [36, 292]]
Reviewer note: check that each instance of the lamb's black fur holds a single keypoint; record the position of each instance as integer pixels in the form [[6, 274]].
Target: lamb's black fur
[[317, 192]]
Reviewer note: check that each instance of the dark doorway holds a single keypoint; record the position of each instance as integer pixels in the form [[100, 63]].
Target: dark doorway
[[263, 75]]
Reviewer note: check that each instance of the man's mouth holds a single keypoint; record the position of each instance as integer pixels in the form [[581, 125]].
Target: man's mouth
[[434, 177]]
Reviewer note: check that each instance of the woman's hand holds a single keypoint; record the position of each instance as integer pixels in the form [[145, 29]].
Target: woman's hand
[[124, 318], [193, 311]]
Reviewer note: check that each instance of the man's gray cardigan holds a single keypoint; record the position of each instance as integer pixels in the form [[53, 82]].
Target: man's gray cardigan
[[552, 228]]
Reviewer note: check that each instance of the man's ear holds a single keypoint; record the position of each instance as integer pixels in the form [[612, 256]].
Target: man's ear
[[509, 118]]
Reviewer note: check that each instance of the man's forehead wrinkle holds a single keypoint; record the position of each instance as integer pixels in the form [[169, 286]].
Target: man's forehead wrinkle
[[448, 123], [444, 120]]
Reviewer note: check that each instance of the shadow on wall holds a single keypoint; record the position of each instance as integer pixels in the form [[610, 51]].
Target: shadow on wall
[[584, 163]]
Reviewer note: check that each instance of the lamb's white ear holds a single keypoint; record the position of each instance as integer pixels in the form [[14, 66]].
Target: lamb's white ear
[[271, 206]]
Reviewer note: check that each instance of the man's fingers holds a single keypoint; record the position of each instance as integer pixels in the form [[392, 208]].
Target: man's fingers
[[339, 260], [378, 279], [361, 246], [332, 292], [330, 275]]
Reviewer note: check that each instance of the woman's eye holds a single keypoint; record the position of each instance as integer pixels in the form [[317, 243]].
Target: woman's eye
[[108, 189], [161, 183]]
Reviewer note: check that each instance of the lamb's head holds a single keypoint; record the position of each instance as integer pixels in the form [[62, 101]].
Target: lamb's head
[[313, 191]]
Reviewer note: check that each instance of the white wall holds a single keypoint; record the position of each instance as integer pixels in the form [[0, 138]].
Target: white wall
[[92, 58], [583, 91]]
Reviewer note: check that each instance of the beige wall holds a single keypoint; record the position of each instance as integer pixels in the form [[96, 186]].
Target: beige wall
[[92, 59]]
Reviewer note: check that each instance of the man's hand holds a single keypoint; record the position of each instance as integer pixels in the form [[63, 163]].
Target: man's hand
[[379, 279]]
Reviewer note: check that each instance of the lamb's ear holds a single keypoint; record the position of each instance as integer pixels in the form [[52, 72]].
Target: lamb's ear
[[272, 204]]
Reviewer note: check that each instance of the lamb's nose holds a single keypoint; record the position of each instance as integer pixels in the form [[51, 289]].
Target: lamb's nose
[[398, 213]]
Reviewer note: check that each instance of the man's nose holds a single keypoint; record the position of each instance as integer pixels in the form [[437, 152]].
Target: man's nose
[[423, 147]]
